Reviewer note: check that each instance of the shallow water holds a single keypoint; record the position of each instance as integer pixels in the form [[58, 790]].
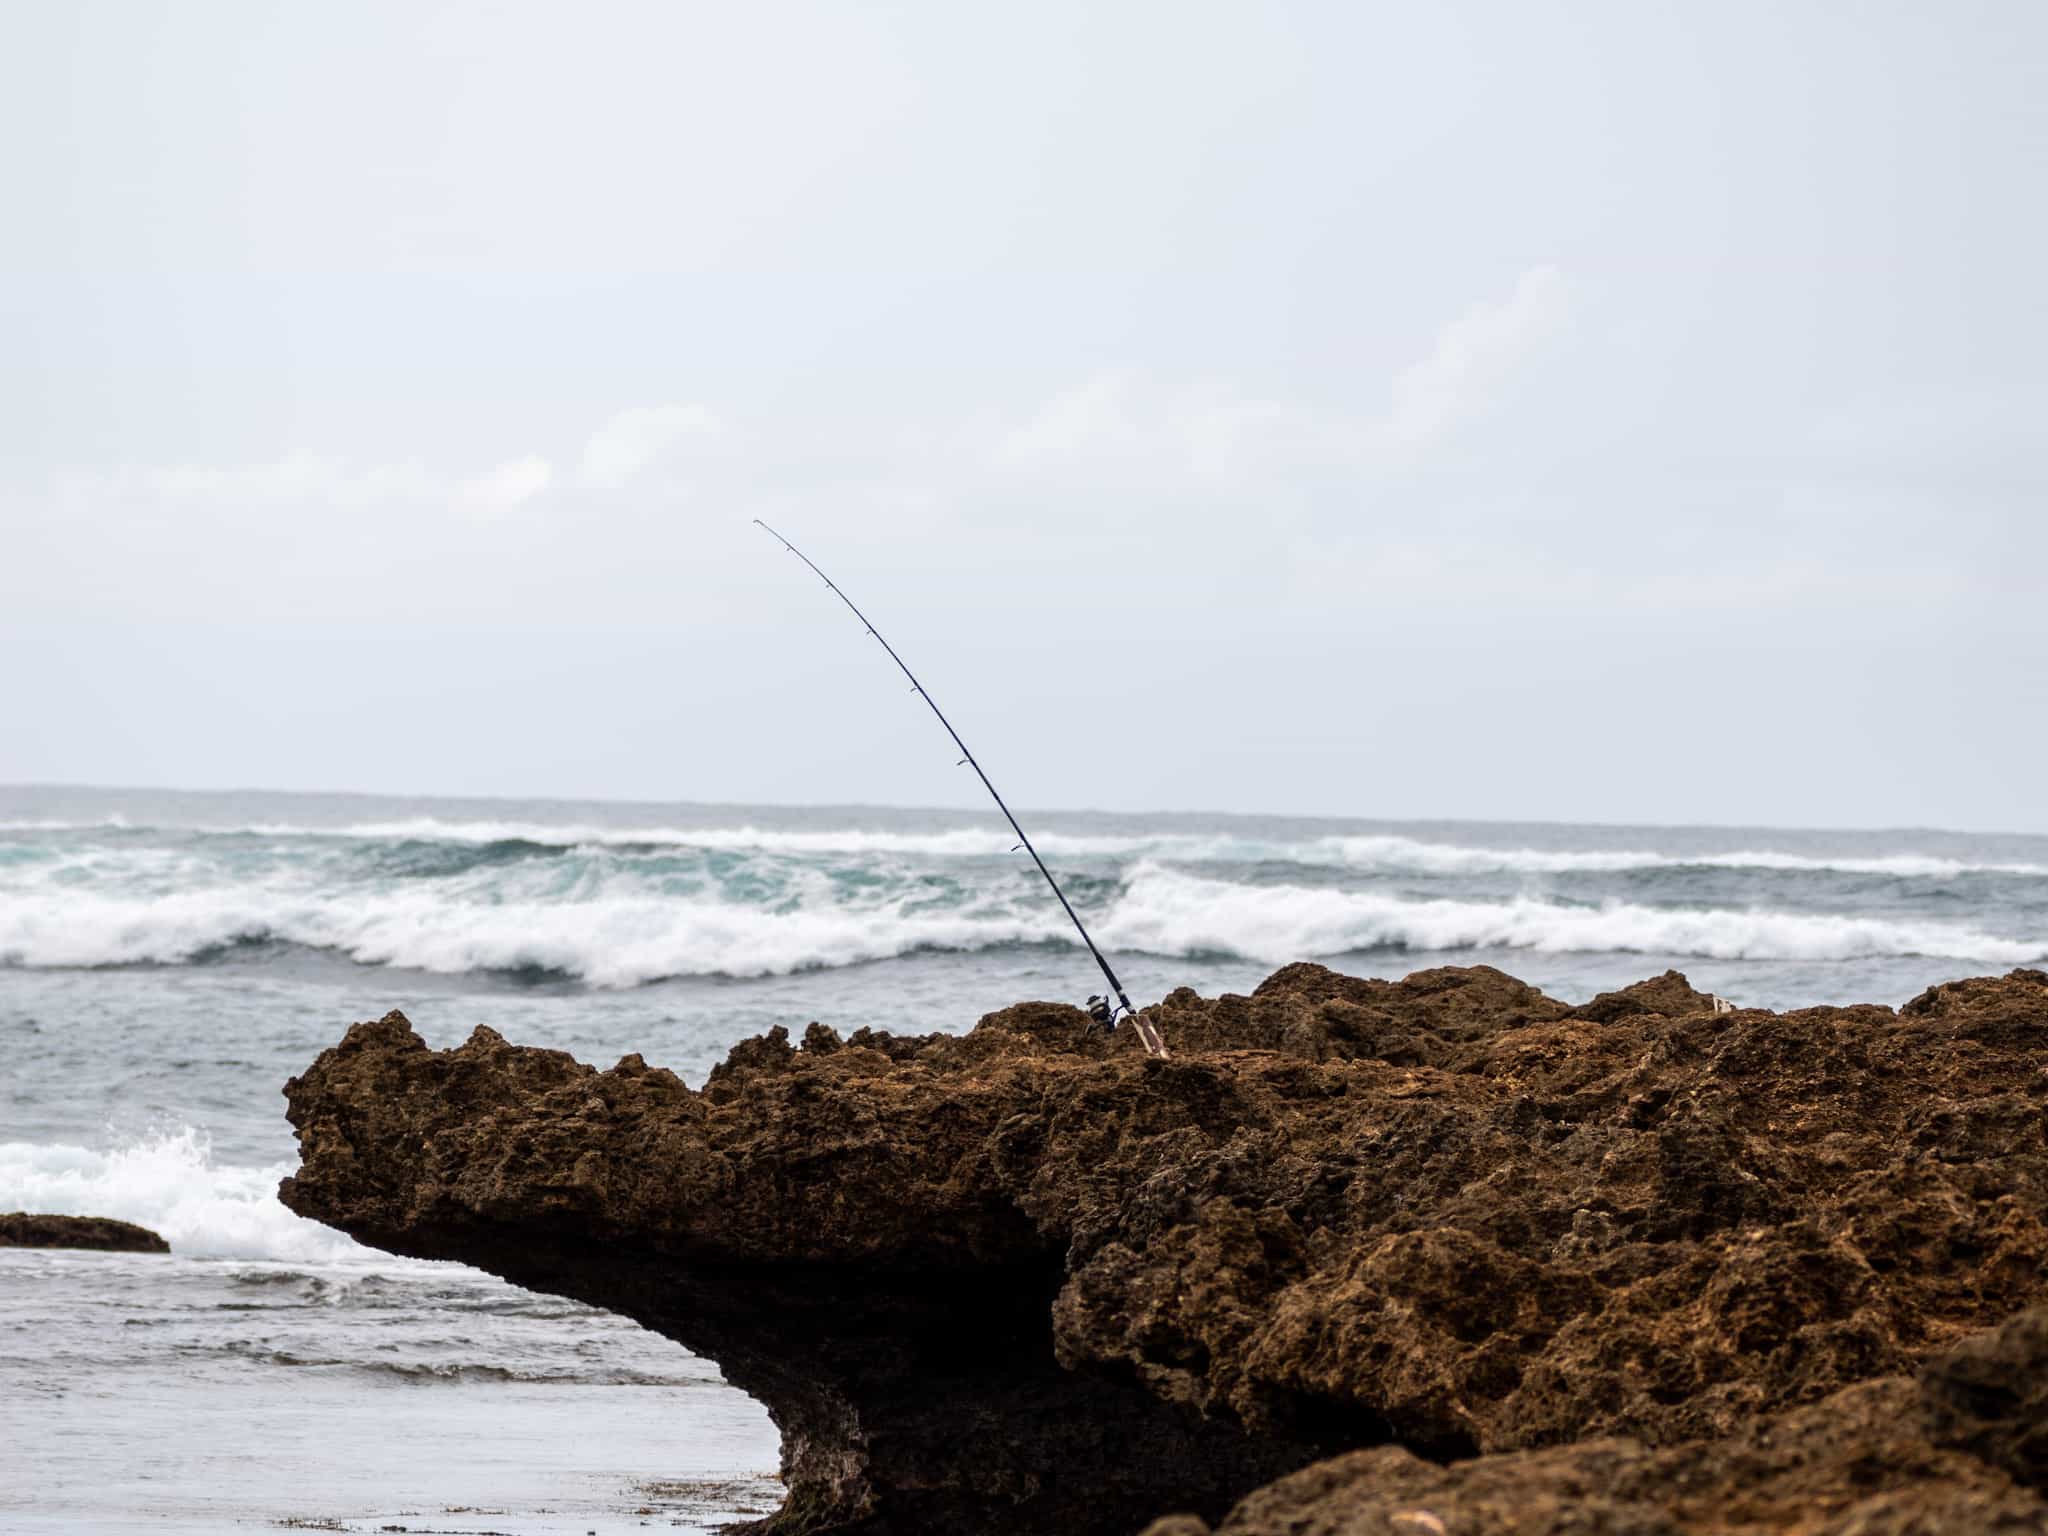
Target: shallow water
[[170, 1392], [168, 960]]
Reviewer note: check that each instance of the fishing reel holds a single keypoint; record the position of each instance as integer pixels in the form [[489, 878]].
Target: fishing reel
[[1105, 1017]]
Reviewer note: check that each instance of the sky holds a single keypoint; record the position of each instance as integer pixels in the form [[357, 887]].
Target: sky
[[1623, 412]]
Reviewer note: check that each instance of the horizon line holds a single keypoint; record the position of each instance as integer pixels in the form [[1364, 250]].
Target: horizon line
[[897, 807]]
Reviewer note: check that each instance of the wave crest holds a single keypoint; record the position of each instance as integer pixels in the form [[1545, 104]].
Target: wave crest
[[1391, 852], [613, 936], [606, 940], [1165, 911], [1404, 853]]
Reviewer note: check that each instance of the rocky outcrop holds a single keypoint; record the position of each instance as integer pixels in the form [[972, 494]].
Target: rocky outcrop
[[1959, 1449], [20, 1229], [1464, 1238]]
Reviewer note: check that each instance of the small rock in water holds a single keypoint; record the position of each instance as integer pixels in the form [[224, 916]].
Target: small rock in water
[[21, 1229]]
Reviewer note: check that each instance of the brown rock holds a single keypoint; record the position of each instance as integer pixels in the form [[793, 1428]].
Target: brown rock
[[1027, 1279], [1670, 994], [20, 1229], [1960, 1451]]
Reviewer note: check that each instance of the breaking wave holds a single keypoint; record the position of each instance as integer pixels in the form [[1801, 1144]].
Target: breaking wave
[[171, 1184], [1378, 851], [1169, 912], [609, 941], [621, 935], [1402, 853]]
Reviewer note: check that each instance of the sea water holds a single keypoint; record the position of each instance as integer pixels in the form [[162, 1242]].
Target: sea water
[[167, 960]]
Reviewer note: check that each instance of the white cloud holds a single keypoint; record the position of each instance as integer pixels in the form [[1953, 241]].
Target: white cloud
[[1472, 355], [1122, 425], [634, 439], [617, 451], [1129, 424], [499, 490], [1115, 431], [1118, 434], [1086, 421]]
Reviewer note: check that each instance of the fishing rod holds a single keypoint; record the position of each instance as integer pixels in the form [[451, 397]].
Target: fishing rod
[[1098, 1009]]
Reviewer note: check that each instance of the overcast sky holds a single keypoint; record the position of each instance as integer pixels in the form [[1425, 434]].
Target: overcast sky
[[1578, 411]]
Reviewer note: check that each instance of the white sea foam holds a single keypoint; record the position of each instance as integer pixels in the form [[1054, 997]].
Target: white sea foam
[[615, 940], [1165, 911], [170, 1184], [1404, 853], [1376, 851], [949, 842], [429, 829], [1390, 852], [620, 932]]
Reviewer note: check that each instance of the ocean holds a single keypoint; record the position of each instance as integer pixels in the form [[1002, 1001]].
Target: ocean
[[168, 959]]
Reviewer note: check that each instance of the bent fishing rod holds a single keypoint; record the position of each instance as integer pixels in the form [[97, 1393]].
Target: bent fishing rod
[[1100, 1011]]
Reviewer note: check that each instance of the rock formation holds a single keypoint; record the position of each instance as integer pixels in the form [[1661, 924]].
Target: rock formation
[[20, 1229], [1493, 1254], [1959, 1450]]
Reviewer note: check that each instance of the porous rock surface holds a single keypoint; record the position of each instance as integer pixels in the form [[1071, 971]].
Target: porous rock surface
[[1488, 1261], [22, 1229]]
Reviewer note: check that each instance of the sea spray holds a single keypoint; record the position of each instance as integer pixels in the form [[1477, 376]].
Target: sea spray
[[1169, 912], [170, 1183]]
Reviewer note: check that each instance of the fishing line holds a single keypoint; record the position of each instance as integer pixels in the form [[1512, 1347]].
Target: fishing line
[[1098, 1009]]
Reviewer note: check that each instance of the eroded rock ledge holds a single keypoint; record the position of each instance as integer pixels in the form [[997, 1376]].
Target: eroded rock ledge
[[1025, 1280]]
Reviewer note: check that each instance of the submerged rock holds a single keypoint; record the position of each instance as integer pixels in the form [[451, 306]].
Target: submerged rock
[[1026, 1279], [20, 1229]]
